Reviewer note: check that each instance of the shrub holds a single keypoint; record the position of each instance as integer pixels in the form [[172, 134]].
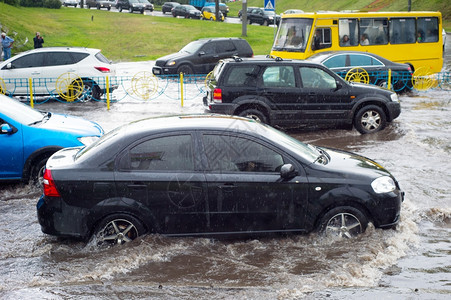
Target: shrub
[[12, 2]]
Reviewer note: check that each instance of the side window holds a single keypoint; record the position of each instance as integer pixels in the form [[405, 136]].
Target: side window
[[279, 76], [208, 48], [337, 61], [58, 59], [373, 31], [348, 31], [225, 46], [29, 61], [171, 153], [402, 30], [357, 60], [427, 30], [321, 39], [237, 154], [242, 76], [316, 78]]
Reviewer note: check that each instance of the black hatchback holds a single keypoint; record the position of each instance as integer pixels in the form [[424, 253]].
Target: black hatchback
[[205, 175]]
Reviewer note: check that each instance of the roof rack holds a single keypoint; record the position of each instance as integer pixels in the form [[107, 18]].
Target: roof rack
[[276, 58], [237, 58]]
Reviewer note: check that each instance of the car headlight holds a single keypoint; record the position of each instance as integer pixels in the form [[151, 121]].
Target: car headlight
[[394, 97], [87, 140], [171, 63], [384, 184]]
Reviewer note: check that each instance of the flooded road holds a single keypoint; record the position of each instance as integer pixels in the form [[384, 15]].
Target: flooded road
[[413, 261]]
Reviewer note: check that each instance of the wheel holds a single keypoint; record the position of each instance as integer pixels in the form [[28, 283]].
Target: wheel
[[130, 9], [249, 21], [255, 114], [173, 14], [343, 222], [89, 6], [120, 8], [90, 91], [265, 23], [98, 6], [382, 83], [370, 119], [142, 11], [185, 69], [109, 8], [118, 229], [37, 171], [211, 19]]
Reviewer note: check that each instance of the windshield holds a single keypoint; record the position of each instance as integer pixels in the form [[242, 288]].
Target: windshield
[[192, 47], [306, 151], [19, 111], [293, 35]]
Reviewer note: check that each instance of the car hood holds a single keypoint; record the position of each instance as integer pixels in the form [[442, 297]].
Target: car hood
[[366, 87], [174, 56], [353, 165], [60, 122]]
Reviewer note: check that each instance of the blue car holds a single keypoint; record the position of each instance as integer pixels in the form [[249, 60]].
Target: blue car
[[28, 137]]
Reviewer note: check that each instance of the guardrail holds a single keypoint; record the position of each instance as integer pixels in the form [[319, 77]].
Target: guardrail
[[145, 86]]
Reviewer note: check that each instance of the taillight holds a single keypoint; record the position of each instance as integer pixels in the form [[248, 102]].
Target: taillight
[[217, 95], [102, 69], [49, 185]]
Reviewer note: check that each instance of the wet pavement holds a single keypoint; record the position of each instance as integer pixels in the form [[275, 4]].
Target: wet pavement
[[413, 261]]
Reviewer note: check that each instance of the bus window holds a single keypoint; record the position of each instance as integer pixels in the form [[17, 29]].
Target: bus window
[[427, 30], [402, 30], [376, 31], [322, 39], [348, 32]]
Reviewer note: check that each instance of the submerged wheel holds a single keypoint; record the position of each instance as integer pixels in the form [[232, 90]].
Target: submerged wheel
[[370, 119], [343, 222], [118, 229], [255, 114], [185, 69]]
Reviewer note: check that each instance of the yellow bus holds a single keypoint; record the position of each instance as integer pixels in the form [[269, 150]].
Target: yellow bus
[[414, 38]]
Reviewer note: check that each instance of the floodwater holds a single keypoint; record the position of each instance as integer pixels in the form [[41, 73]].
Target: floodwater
[[413, 261]]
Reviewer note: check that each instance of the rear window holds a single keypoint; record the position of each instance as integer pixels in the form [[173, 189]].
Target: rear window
[[102, 58]]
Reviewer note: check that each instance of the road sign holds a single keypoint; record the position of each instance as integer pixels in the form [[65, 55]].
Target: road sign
[[270, 5]]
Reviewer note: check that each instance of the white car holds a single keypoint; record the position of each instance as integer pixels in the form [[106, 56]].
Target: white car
[[53, 69], [73, 3]]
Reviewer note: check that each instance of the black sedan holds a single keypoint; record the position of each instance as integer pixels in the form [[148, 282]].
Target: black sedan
[[186, 11], [367, 67], [207, 175], [168, 6]]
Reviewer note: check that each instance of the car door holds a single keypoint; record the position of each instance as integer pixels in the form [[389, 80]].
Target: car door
[[375, 68], [162, 173], [324, 97], [17, 74], [245, 190], [11, 162], [59, 65], [206, 58]]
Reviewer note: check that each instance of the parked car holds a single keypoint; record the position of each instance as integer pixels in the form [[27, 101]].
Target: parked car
[[248, 10], [293, 11], [186, 11], [28, 137], [45, 65], [262, 17], [130, 5], [99, 4], [377, 67], [147, 5], [200, 57], [205, 175], [168, 6], [73, 3], [209, 13], [297, 93]]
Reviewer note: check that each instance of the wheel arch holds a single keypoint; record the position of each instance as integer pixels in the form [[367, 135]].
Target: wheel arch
[[253, 103], [35, 157], [367, 102]]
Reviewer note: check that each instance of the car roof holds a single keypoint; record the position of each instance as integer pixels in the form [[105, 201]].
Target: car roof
[[267, 60], [63, 49], [319, 57]]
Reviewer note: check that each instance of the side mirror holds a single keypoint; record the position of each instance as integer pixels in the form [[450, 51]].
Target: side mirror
[[6, 129], [339, 85], [287, 171]]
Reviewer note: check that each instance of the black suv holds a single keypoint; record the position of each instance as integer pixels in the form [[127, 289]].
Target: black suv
[[289, 92], [201, 56], [262, 17], [131, 5]]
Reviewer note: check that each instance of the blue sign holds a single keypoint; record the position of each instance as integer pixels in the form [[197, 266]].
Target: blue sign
[[270, 5]]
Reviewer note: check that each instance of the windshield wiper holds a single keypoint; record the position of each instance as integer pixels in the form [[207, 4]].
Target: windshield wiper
[[323, 157]]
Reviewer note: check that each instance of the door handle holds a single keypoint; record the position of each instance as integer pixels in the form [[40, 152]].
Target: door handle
[[227, 187]]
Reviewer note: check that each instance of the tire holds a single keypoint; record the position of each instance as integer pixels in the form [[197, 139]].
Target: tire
[[130, 9], [211, 19], [98, 7], [370, 119], [265, 23], [142, 11], [382, 83], [118, 229], [174, 15], [120, 9], [255, 114], [90, 91], [185, 69], [89, 6], [343, 222], [37, 171], [109, 8]]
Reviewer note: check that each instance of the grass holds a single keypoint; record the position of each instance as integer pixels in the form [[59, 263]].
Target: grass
[[136, 37], [121, 36]]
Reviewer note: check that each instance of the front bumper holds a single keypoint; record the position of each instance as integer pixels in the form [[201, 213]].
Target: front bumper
[[164, 70]]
